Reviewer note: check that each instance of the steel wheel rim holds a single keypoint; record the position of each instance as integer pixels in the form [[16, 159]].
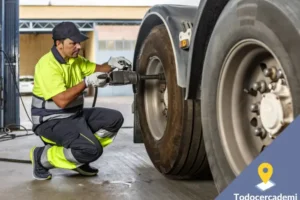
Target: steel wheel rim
[[156, 100], [247, 122]]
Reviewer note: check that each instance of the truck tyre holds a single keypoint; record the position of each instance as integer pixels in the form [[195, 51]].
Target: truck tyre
[[250, 82], [171, 126]]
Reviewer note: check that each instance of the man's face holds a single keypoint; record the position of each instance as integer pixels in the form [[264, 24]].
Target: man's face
[[69, 48]]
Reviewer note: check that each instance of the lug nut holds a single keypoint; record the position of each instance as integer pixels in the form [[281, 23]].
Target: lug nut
[[263, 86], [260, 86], [254, 108], [268, 72], [256, 86], [279, 74], [271, 73], [259, 131]]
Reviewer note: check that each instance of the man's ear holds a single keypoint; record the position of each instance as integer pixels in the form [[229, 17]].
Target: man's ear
[[59, 43]]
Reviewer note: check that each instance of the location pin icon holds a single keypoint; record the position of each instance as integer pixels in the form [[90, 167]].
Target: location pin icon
[[265, 172]]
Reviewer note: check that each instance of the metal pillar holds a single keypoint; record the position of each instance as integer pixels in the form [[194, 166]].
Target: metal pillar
[[2, 46], [11, 64]]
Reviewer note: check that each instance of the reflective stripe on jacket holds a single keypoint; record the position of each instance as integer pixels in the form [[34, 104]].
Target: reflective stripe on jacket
[[42, 110]]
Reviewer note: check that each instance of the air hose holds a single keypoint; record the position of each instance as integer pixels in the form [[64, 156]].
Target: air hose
[[95, 97]]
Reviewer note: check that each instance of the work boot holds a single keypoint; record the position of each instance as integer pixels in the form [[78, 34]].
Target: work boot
[[39, 172], [87, 170]]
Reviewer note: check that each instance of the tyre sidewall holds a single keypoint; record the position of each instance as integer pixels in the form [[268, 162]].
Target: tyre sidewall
[[233, 26], [162, 152]]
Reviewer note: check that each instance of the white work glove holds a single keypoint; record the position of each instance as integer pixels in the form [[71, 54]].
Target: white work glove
[[120, 63], [93, 80]]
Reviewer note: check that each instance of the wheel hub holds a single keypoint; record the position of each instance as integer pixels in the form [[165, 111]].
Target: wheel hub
[[154, 99], [253, 102], [166, 98], [271, 113], [272, 108]]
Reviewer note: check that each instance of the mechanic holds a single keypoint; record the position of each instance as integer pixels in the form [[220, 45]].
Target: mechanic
[[74, 136]]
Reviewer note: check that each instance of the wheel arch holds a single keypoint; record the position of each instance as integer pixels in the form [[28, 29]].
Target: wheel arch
[[172, 17]]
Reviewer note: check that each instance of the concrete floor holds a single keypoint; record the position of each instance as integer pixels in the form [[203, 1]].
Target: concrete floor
[[125, 172]]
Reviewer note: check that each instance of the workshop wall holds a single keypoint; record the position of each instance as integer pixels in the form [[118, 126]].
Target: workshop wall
[[34, 46], [104, 42]]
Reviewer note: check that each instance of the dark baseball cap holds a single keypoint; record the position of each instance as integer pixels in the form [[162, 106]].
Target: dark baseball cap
[[69, 30]]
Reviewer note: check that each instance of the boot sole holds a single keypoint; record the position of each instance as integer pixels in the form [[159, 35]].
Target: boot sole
[[85, 173]]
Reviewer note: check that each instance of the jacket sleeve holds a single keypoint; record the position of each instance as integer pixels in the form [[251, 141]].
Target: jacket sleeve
[[87, 67]]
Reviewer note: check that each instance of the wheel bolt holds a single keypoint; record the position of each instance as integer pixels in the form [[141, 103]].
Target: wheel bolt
[[254, 108], [279, 74], [256, 86], [259, 131], [271, 72], [260, 86], [263, 86], [268, 72]]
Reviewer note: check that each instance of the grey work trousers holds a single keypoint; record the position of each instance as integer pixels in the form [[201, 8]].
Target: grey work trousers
[[77, 132]]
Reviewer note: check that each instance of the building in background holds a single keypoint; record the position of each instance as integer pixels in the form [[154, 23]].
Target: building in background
[[112, 31], [111, 25]]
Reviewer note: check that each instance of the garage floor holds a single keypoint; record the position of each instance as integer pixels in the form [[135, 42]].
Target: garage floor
[[126, 172]]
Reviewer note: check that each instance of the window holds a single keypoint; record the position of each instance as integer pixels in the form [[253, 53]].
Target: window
[[110, 45], [102, 44], [119, 44], [127, 45], [133, 43]]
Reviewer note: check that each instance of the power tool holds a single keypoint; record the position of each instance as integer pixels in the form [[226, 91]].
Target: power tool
[[125, 77], [128, 77]]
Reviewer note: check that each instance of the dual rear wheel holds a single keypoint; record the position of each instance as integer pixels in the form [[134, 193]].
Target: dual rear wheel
[[249, 93], [250, 82]]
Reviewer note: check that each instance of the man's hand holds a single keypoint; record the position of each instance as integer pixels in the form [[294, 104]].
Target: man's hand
[[93, 80], [64, 98], [119, 62]]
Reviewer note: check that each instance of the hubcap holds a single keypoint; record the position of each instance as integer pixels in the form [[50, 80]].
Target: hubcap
[[156, 99], [271, 113], [254, 103], [276, 107]]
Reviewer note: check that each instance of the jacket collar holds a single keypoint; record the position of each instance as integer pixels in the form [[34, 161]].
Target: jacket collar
[[57, 55]]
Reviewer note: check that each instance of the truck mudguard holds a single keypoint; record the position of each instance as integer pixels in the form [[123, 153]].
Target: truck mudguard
[[207, 15], [173, 17]]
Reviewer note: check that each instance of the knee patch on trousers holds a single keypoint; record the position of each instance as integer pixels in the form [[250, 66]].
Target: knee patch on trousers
[[105, 137], [88, 153], [115, 121]]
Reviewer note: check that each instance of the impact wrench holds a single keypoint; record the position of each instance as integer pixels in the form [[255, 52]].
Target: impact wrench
[[128, 77], [116, 78]]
